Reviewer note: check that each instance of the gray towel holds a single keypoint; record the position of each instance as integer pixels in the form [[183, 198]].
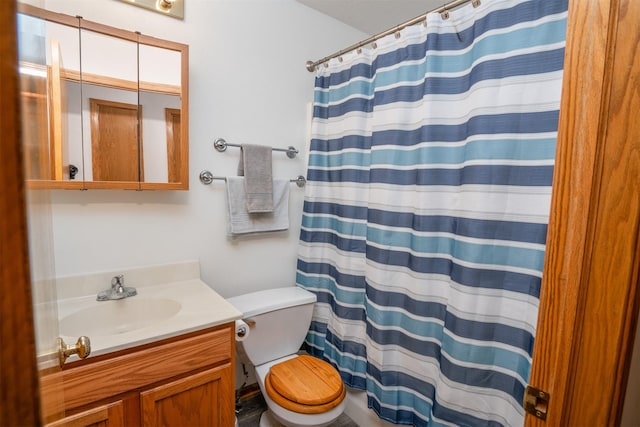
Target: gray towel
[[255, 166], [242, 222]]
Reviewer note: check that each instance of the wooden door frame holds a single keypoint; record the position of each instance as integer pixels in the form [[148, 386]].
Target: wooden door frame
[[174, 152], [589, 299], [585, 234], [19, 396]]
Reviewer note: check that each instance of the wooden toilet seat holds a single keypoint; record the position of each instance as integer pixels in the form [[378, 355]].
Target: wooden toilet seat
[[305, 384]]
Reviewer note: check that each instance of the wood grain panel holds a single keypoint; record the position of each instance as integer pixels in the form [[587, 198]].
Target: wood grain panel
[[111, 415], [115, 148], [109, 377], [184, 120], [19, 396], [174, 154], [191, 401], [582, 96], [56, 107], [35, 135], [588, 309], [612, 275]]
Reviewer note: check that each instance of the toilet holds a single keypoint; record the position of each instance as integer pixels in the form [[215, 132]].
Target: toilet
[[300, 390]]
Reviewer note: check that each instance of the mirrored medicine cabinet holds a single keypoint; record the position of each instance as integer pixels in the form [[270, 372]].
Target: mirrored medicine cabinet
[[102, 108]]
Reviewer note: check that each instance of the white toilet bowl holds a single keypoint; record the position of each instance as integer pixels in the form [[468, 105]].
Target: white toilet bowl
[[280, 319]]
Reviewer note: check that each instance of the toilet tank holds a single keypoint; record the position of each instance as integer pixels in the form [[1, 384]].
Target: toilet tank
[[282, 318]]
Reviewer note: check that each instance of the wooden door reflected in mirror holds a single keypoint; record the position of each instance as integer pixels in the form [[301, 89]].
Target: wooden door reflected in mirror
[[114, 141]]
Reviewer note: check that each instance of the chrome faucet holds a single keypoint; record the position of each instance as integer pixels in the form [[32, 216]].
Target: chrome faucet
[[117, 291]]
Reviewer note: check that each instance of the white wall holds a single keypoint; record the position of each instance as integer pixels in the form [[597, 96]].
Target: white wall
[[248, 84]]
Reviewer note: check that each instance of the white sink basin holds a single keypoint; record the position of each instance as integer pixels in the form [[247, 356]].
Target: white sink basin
[[171, 301], [119, 316]]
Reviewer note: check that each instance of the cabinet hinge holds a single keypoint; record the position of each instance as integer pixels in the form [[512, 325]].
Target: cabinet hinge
[[536, 402]]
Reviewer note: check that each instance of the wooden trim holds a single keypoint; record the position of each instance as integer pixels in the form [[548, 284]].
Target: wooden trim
[[71, 364], [111, 415], [116, 83], [164, 186], [160, 88], [55, 113], [44, 184], [48, 15], [569, 214], [165, 44], [19, 395], [111, 185], [98, 80], [184, 120], [104, 185], [589, 294], [174, 154], [108, 30]]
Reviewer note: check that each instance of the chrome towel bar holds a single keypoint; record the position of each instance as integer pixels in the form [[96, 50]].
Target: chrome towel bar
[[207, 178], [221, 145]]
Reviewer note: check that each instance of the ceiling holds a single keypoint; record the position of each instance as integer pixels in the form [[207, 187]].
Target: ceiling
[[373, 16]]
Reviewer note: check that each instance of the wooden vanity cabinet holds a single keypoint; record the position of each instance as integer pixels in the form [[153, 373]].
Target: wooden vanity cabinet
[[183, 381]]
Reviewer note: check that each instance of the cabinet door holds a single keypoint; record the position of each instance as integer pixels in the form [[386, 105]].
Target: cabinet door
[[110, 415], [203, 399]]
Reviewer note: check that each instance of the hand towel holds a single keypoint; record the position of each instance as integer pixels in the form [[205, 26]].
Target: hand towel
[[242, 222], [255, 166]]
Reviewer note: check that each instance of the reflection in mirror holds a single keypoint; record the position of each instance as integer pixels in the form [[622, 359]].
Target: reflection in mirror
[[103, 107], [160, 97], [109, 109], [46, 50]]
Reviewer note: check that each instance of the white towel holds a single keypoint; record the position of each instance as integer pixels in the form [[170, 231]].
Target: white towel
[[242, 222], [255, 166]]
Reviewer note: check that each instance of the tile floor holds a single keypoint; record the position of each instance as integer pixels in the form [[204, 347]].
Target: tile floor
[[250, 408]]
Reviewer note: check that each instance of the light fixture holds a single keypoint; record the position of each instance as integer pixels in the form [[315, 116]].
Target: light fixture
[[165, 5], [173, 8], [32, 71]]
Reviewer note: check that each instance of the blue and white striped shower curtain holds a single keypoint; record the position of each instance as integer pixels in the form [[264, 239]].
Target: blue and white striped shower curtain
[[426, 209]]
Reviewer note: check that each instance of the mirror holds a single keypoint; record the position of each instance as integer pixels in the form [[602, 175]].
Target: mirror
[[110, 109], [45, 49], [165, 157], [105, 108]]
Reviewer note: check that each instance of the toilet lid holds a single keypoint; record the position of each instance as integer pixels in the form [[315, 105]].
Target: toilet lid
[[304, 383]]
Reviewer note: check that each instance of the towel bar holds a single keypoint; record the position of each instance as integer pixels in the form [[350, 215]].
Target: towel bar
[[207, 178], [221, 145]]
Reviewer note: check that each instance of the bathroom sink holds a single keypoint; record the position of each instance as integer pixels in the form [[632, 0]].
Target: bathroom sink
[[118, 317]]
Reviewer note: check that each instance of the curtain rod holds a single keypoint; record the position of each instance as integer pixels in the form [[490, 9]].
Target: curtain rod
[[311, 66]]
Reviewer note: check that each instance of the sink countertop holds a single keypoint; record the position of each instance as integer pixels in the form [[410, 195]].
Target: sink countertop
[[201, 307]]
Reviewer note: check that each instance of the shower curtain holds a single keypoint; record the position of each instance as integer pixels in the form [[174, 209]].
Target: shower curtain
[[426, 210]]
